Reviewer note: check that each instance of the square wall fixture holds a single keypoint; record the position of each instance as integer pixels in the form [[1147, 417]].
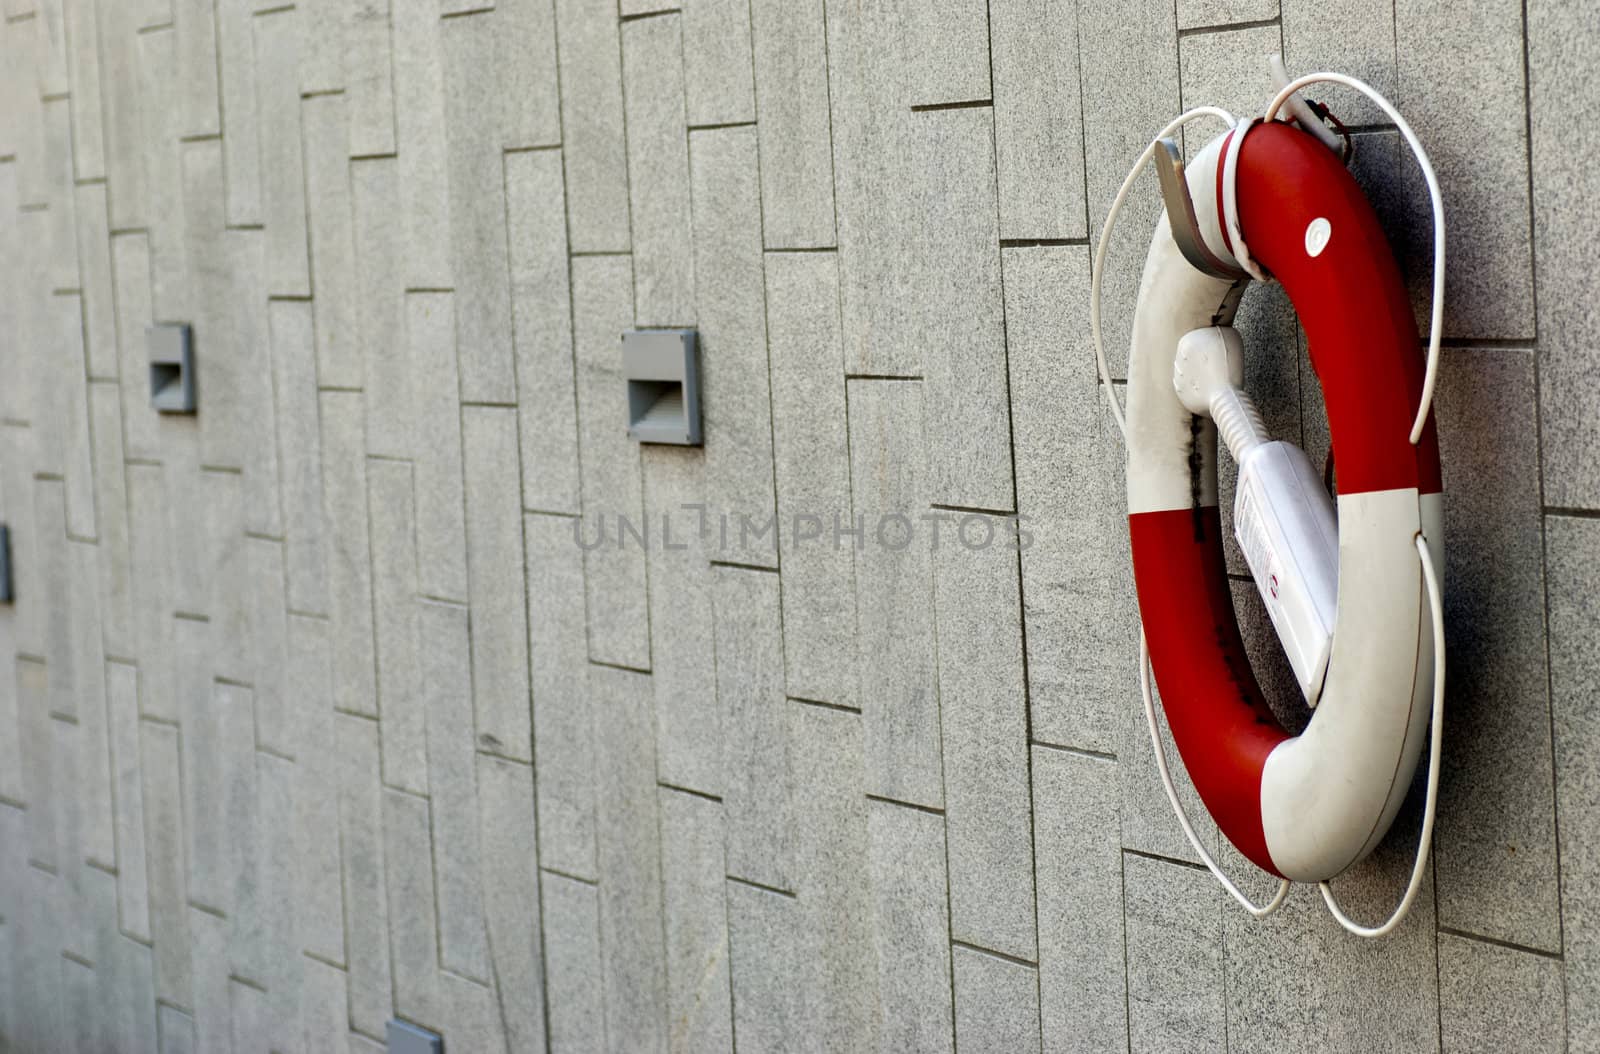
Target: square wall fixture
[[171, 349], [662, 371], [406, 1038], [6, 594]]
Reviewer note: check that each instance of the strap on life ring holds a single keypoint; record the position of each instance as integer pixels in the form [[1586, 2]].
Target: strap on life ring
[[1250, 773]]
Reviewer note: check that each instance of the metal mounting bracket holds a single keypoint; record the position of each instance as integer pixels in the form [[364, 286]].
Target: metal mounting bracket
[[1181, 216]]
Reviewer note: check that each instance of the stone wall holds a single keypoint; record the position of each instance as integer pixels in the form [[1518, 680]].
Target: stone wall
[[322, 706]]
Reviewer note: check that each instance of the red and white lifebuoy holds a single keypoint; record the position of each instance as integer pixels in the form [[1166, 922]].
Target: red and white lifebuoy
[[1303, 807]]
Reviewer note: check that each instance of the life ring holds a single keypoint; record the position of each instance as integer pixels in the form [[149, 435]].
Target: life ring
[[1304, 807]]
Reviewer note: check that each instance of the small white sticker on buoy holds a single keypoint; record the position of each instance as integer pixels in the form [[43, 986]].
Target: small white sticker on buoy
[[1318, 231]]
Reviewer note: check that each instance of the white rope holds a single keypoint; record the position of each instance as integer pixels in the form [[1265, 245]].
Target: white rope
[[1105, 239], [1435, 743], [1172, 796], [1436, 323]]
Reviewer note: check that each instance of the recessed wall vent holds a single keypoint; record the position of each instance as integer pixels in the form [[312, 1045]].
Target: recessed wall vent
[[662, 370]]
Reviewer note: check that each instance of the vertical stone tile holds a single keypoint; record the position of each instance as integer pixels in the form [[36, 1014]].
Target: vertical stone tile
[[126, 988], [152, 591], [49, 528], [452, 785], [1038, 124], [756, 758], [368, 79], [420, 138], [250, 1015], [1561, 47], [239, 891], [1120, 114], [13, 789], [613, 567], [997, 1002], [480, 272], [283, 173], [794, 125], [958, 322], [513, 46], [381, 258], [201, 702], [36, 961], [413, 920], [906, 853], [241, 124], [226, 574], [331, 221], [76, 452], [719, 84], [839, 982], [175, 1029], [1227, 69], [627, 843], [767, 1005], [983, 717], [185, 535], [81, 22], [1077, 588], [947, 54], [317, 885], [664, 272], [1498, 998], [164, 845], [275, 901], [366, 921], [300, 456], [196, 70], [572, 957], [344, 492], [213, 1024], [73, 931], [1370, 995], [699, 999], [870, 150], [441, 523], [509, 836], [1175, 957], [563, 733], [1352, 36], [1148, 822], [403, 729], [499, 682], [112, 527], [165, 212], [123, 119], [1573, 573], [1205, 14], [268, 630], [811, 463], [594, 150], [1495, 848], [470, 1014], [94, 280], [682, 631], [78, 983], [1078, 866], [244, 431], [130, 272], [541, 306], [895, 653], [86, 656], [734, 369], [1490, 275]]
